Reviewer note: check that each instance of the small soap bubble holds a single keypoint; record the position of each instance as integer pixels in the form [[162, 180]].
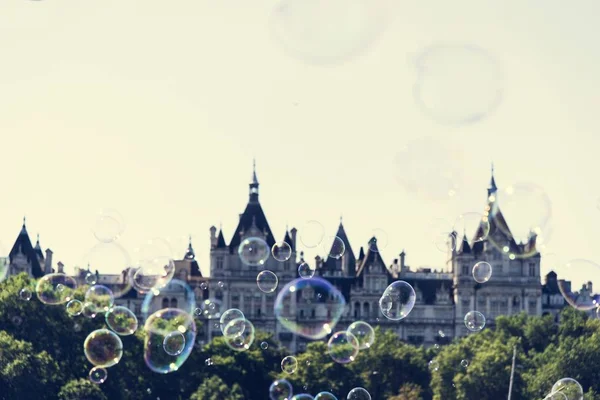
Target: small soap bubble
[[204, 286], [88, 310], [53, 289], [90, 278], [254, 251], [289, 364], [281, 251], [228, 316], [358, 393], [264, 345], [174, 343], [334, 247], [464, 363], [434, 365], [109, 225], [239, 334], [74, 308], [569, 387], [221, 284], [397, 301], [208, 362], [474, 321], [325, 396], [267, 281], [103, 348], [305, 271], [101, 297], [281, 389], [121, 320], [379, 240], [363, 332], [25, 294], [482, 272], [16, 320], [98, 375], [312, 234], [343, 347]]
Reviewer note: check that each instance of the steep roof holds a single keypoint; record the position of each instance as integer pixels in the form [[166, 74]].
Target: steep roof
[[331, 264], [372, 257], [23, 245]]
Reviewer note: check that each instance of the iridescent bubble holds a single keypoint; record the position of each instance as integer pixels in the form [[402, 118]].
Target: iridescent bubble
[[397, 300], [103, 348], [113, 263], [343, 347], [155, 273], [254, 251], [90, 278], [358, 393], [441, 235], [47, 289], [281, 389], [289, 364], [434, 365], [474, 225], [174, 343], [264, 345], [337, 248], [311, 234], [325, 396], [101, 297], [474, 321], [157, 327], [228, 316], [281, 251], [464, 363], [363, 332], [121, 320], [267, 281], [579, 297], [25, 294], [328, 32], [556, 396], [457, 84], [98, 375], [176, 289], [88, 310], [379, 240], [74, 308], [109, 225], [303, 396], [305, 271], [569, 387], [239, 334], [482, 272], [315, 295]]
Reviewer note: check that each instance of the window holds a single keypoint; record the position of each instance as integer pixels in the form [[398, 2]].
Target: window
[[219, 295], [301, 313], [531, 269], [466, 304], [138, 309], [356, 310], [366, 310], [532, 306], [516, 301], [465, 269], [312, 313], [258, 312], [173, 303], [165, 303], [219, 262]]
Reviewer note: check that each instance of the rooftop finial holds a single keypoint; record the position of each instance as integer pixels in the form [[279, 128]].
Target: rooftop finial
[[190, 236], [24, 220], [493, 188], [254, 179], [492, 168], [341, 219]]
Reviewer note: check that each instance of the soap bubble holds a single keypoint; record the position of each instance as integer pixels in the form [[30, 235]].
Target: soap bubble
[[316, 294], [482, 272], [457, 84], [101, 297], [158, 326], [98, 375], [464, 363], [89, 310], [303, 396], [281, 389], [363, 332], [211, 309], [578, 297], [267, 281], [25, 294], [337, 249], [379, 240], [174, 343], [289, 364], [90, 278], [103, 348], [74, 307], [176, 288], [358, 393], [397, 300], [109, 226], [154, 248], [49, 292], [204, 286], [121, 320], [311, 234], [434, 365], [474, 321], [254, 251], [154, 273], [16, 320], [325, 396], [569, 387], [343, 347], [239, 334], [281, 251], [305, 271], [114, 263], [264, 345], [556, 396], [228, 316]]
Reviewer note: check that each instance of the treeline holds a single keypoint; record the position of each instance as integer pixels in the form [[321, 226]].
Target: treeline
[[41, 357]]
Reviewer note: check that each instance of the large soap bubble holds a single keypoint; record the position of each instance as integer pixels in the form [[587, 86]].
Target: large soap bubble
[[228, 316], [343, 347], [569, 387], [239, 334], [121, 320], [100, 297], [176, 289], [313, 296], [578, 294], [397, 300], [325, 396], [281, 389], [103, 348], [53, 289], [158, 326], [254, 251]]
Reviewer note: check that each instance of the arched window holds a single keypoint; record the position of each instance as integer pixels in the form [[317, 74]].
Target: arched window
[[165, 303], [173, 303], [366, 309], [356, 310]]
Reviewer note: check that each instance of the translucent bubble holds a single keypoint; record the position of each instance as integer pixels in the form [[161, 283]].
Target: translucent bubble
[[89, 310], [16, 320], [325, 396], [474, 321], [305, 271], [47, 289], [577, 293], [289, 364], [109, 225], [474, 225], [25, 294], [211, 308], [221, 284], [74, 308], [464, 363], [343, 347], [397, 300], [157, 327], [77, 327], [281, 389], [303, 396], [312, 234], [208, 362], [363, 332], [178, 289], [337, 248], [326, 33], [174, 343], [121, 320], [155, 273], [457, 84], [101, 297], [155, 248], [556, 396], [569, 387], [239, 334], [113, 263], [228, 316], [430, 168], [315, 295], [434, 365], [98, 375], [254, 251], [264, 345], [267, 281], [379, 240], [90, 278], [103, 348], [281, 251], [204, 286], [482, 272], [358, 393]]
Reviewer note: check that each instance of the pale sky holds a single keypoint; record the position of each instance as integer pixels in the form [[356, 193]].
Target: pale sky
[[157, 109]]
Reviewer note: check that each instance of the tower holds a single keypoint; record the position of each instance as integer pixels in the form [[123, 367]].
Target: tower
[[23, 257]]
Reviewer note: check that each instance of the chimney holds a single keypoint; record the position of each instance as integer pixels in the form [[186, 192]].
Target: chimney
[[590, 287], [294, 231], [402, 257], [48, 261], [61, 268], [213, 237]]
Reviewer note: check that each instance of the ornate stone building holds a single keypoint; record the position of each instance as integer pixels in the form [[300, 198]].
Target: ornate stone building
[[24, 257]]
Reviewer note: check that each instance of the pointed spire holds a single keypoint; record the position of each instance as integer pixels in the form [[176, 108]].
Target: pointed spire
[[254, 185], [190, 254], [24, 229], [254, 179], [37, 244], [492, 188]]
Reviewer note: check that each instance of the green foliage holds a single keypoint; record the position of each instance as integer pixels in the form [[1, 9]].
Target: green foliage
[[409, 391], [215, 389], [81, 389]]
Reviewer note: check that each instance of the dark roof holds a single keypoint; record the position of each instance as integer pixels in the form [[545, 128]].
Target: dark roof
[[195, 269], [361, 253], [289, 240], [464, 247], [371, 257], [221, 240], [23, 245], [38, 248], [253, 215]]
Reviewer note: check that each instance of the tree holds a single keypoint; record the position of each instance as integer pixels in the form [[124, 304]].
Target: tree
[[215, 389], [409, 391], [81, 389]]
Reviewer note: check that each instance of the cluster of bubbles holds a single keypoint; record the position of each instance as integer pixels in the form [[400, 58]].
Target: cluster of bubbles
[[281, 389]]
